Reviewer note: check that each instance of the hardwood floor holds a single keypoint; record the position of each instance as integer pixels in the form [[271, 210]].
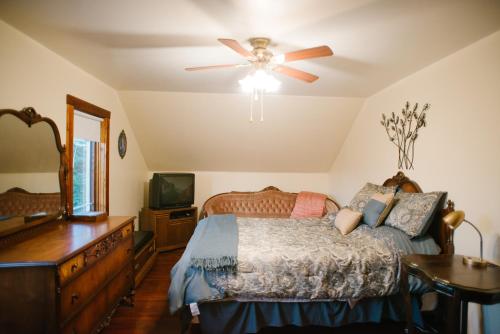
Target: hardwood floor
[[150, 314]]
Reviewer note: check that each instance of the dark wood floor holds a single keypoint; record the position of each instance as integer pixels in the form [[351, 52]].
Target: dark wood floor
[[150, 314]]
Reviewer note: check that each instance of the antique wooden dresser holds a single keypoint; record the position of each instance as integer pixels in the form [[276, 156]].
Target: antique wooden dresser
[[66, 277], [56, 276]]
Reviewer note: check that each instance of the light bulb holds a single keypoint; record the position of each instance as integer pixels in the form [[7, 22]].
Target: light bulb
[[259, 80]]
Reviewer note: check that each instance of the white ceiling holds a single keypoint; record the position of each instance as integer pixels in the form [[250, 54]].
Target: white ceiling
[[145, 45]]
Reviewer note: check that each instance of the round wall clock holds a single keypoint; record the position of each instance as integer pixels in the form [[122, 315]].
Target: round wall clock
[[122, 144]]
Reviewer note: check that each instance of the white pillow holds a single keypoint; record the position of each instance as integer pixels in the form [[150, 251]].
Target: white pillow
[[347, 220]]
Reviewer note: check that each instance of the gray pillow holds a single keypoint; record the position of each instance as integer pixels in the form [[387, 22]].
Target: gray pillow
[[413, 212], [363, 196]]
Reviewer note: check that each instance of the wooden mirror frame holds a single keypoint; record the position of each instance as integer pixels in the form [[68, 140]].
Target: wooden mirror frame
[[29, 116]]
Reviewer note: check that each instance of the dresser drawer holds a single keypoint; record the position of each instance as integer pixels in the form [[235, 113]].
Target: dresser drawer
[[87, 321], [74, 265], [71, 267], [78, 291], [127, 230], [92, 254]]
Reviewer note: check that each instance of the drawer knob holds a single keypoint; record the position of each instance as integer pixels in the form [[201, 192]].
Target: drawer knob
[[74, 298], [151, 249], [136, 266], [74, 267]]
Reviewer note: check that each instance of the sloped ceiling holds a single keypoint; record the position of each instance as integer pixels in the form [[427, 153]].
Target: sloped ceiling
[[199, 120]]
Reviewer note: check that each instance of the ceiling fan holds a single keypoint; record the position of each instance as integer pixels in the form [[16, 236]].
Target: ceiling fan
[[261, 58]]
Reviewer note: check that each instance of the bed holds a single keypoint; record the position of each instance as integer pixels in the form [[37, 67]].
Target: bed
[[295, 271], [19, 202], [19, 207]]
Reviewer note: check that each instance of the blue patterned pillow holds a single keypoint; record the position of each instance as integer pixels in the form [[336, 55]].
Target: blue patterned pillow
[[377, 209], [363, 196], [413, 212]]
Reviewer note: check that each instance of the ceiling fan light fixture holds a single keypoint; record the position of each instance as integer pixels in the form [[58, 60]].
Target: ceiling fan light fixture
[[262, 60], [279, 59], [259, 81]]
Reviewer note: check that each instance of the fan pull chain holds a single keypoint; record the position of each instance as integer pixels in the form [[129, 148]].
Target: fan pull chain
[[251, 106], [261, 105], [257, 94]]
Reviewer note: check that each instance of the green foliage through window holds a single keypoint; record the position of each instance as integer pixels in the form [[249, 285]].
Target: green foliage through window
[[83, 175]]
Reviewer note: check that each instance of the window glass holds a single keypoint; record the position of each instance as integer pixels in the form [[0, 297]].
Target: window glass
[[83, 176]]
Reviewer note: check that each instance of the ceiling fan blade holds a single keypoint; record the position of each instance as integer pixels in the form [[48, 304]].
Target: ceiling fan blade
[[212, 67], [319, 51], [297, 74], [233, 44]]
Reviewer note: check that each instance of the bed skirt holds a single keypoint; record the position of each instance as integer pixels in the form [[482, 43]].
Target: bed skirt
[[249, 317]]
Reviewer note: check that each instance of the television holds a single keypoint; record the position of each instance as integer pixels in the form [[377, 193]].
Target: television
[[171, 190]]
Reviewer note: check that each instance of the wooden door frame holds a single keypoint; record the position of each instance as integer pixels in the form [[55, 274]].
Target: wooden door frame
[[73, 103]]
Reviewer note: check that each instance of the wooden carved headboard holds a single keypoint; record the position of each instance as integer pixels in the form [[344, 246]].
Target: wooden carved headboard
[[270, 202], [441, 233]]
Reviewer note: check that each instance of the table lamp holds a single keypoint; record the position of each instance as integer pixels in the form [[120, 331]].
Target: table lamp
[[453, 220]]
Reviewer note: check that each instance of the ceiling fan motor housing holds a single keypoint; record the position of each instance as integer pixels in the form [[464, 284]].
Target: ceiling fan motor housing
[[260, 51]]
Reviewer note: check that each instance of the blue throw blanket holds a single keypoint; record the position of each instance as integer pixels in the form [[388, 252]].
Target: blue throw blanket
[[213, 248]]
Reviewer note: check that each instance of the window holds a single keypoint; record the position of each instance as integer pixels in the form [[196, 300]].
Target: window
[[83, 176], [87, 141]]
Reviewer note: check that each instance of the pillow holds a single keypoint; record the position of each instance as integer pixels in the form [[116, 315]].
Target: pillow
[[377, 209], [363, 196], [413, 212], [309, 204], [347, 220]]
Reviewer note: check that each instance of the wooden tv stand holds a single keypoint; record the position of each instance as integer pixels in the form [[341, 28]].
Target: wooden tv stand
[[172, 227]]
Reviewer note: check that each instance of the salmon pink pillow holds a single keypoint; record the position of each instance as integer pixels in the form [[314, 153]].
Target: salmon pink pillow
[[309, 204]]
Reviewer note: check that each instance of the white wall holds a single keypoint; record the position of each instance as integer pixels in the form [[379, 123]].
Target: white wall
[[459, 149], [32, 75], [212, 183], [212, 132], [32, 182]]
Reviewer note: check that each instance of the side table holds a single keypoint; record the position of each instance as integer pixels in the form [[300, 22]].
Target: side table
[[447, 275]]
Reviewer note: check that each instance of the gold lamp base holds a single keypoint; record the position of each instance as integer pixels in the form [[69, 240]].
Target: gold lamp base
[[475, 262]]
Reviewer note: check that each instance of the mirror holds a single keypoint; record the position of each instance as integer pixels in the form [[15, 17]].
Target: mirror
[[31, 171]]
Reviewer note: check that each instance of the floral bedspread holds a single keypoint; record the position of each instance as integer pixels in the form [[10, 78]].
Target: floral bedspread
[[304, 259]]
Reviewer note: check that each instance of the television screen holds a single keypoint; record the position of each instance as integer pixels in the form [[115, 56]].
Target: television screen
[[169, 190]]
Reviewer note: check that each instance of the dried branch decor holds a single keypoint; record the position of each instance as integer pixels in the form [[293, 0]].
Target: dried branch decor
[[402, 131]]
